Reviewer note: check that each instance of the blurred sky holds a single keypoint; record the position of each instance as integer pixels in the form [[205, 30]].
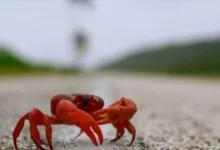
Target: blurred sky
[[40, 30]]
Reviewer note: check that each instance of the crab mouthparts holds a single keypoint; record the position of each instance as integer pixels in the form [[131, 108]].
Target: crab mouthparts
[[101, 116]]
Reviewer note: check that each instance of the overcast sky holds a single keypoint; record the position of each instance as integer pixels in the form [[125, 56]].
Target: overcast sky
[[40, 30]]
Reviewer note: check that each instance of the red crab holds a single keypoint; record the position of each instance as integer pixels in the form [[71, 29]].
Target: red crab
[[82, 110], [65, 109]]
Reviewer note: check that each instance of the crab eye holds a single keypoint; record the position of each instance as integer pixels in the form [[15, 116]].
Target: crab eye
[[96, 98], [76, 100], [73, 97]]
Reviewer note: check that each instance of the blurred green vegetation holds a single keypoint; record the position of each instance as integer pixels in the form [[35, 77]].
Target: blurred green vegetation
[[199, 58], [10, 63]]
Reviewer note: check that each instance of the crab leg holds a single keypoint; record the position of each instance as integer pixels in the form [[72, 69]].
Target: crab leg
[[48, 130], [35, 117], [120, 131], [35, 136], [130, 129], [18, 129]]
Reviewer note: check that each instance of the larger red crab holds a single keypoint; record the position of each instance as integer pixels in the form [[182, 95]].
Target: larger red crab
[[83, 111]]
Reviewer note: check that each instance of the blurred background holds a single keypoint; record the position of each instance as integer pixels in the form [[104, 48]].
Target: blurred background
[[114, 48], [145, 36]]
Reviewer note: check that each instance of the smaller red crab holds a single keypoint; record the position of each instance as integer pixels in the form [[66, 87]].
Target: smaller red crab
[[67, 110]]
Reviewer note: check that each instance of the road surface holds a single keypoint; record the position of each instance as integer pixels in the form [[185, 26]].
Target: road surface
[[173, 113]]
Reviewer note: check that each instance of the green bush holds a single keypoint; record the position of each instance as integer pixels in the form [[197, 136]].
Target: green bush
[[13, 64], [196, 58]]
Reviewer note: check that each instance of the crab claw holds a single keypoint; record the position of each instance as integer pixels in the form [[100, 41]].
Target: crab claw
[[35, 117], [70, 114], [118, 114]]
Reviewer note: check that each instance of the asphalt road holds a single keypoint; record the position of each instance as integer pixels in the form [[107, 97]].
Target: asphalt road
[[173, 113]]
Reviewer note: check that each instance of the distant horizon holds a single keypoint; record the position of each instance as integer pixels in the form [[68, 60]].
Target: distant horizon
[[141, 49]]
